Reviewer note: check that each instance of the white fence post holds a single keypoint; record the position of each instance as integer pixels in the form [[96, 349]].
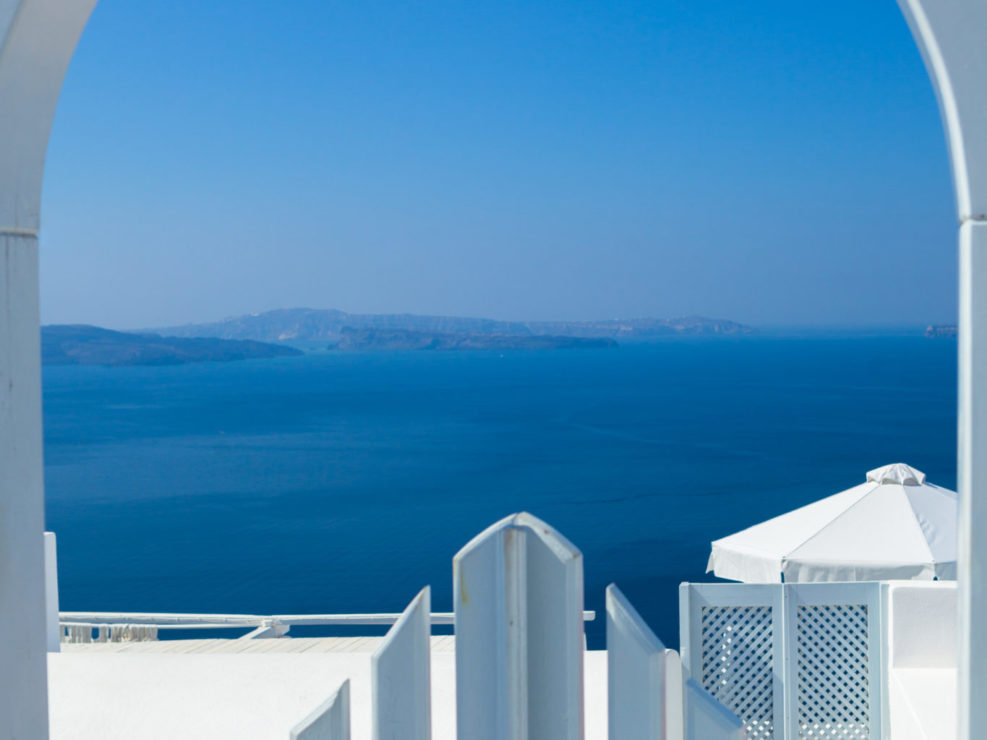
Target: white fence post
[[674, 697], [635, 673], [518, 592], [329, 721], [706, 718], [401, 676], [54, 629]]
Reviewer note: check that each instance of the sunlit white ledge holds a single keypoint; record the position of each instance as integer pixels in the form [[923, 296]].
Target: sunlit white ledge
[[100, 695]]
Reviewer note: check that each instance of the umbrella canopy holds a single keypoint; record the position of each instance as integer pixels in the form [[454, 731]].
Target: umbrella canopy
[[893, 526]]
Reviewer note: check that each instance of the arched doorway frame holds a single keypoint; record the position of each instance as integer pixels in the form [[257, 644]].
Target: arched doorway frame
[[37, 40]]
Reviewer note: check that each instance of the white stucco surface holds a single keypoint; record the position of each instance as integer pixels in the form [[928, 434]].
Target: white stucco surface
[[923, 625], [922, 660], [922, 703], [247, 696]]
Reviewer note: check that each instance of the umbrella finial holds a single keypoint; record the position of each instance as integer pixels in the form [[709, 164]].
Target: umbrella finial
[[903, 475]]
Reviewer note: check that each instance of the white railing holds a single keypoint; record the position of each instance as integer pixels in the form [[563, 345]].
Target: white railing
[[141, 626]]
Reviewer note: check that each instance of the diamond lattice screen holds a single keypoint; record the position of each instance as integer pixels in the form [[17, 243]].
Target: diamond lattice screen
[[833, 671], [737, 664]]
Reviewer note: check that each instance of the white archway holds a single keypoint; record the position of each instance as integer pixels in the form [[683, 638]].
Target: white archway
[[952, 35], [37, 39]]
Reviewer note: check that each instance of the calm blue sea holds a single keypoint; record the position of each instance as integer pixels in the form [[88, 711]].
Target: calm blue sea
[[345, 482]]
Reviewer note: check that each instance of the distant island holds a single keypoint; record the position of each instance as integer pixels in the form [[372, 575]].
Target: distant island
[[90, 345], [402, 339], [288, 331], [317, 327], [936, 331]]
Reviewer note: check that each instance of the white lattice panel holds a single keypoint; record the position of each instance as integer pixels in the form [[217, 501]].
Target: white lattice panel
[[737, 658], [793, 661], [833, 671]]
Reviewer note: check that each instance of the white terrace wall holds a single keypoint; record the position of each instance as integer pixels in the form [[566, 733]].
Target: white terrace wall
[[922, 624], [922, 660]]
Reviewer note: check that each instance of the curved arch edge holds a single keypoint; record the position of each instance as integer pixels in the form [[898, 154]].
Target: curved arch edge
[[38, 40], [950, 35]]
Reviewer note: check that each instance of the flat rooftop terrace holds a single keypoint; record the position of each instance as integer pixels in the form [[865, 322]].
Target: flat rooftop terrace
[[247, 689]]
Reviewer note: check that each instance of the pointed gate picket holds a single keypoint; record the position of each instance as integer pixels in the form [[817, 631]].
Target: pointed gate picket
[[401, 676], [647, 699], [706, 717], [330, 721], [637, 702], [518, 592]]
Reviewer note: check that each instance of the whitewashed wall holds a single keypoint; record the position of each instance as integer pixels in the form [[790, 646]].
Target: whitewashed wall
[[922, 659]]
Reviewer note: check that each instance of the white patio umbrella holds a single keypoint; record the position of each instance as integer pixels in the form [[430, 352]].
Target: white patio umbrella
[[894, 526]]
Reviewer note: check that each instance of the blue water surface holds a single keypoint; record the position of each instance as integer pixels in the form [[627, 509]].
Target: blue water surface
[[345, 482]]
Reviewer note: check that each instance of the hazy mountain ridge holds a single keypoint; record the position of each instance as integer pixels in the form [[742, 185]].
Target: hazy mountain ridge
[[326, 325], [402, 339], [80, 344]]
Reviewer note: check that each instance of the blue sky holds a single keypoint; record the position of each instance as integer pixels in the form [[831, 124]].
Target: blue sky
[[769, 162]]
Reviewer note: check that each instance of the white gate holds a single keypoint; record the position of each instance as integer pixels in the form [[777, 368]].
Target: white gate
[[791, 660], [518, 592]]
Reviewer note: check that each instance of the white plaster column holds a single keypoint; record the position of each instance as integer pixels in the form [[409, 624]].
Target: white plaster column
[[23, 646], [37, 38], [952, 36], [972, 483]]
